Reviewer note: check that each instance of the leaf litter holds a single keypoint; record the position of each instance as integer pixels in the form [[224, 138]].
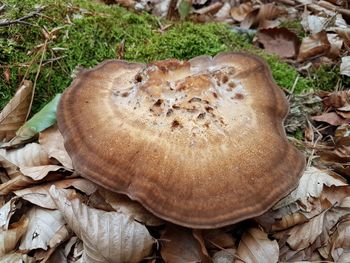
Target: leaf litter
[[50, 214]]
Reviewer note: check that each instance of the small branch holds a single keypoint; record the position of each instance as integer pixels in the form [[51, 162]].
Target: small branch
[[21, 19]]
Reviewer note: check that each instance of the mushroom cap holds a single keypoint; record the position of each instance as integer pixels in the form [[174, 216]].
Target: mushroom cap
[[199, 143]]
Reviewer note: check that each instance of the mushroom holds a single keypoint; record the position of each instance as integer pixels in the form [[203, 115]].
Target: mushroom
[[199, 143]]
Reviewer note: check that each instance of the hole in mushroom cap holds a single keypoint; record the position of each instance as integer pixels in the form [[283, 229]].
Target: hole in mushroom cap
[[209, 109], [176, 124], [138, 78]]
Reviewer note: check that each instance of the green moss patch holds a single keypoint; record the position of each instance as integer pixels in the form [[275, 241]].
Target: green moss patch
[[88, 33]]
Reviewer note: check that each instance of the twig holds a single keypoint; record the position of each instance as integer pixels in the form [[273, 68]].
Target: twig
[[21, 19]]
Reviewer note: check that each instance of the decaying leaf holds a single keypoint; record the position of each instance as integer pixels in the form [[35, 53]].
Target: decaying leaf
[[313, 46], [331, 118], [313, 23], [238, 13], [311, 185], [10, 237], [256, 247], [107, 236], [45, 118], [344, 33], [42, 227], [52, 142], [17, 258], [336, 44], [180, 246], [40, 196], [280, 41], [6, 211], [224, 256], [345, 66], [15, 113], [123, 204]]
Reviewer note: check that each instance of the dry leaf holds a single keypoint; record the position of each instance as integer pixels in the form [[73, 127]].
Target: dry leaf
[[238, 13], [43, 225], [312, 23], [123, 204], [256, 247], [344, 33], [331, 118], [310, 185], [39, 172], [10, 237], [258, 17], [336, 99], [313, 46], [17, 258], [107, 236], [224, 256], [180, 246], [345, 66], [15, 113], [336, 44], [6, 211], [32, 154], [280, 41], [18, 182], [39, 195], [53, 143], [217, 238]]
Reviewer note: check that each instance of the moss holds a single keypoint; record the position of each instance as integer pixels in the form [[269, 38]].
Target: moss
[[90, 32], [295, 26], [328, 78]]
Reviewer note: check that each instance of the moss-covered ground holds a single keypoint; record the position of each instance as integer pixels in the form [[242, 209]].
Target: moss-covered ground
[[84, 33]]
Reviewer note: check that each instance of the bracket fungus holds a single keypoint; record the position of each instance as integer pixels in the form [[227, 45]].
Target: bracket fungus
[[199, 143]]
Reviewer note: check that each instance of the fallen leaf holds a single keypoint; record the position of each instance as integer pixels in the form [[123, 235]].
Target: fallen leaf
[[45, 118], [16, 183], [39, 172], [256, 247], [217, 238], [344, 33], [43, 225], [313, 46], [15, 113], [10, 237], [17, 258], [331, 118], [178, 245], [313, 23], [345, 66], [6, 212], [53, 143], [238, 13], [336, 44], [280, 41], [336, 99], [40, 196], [123, 204], [107, 236], [224, 256], [310, 185]]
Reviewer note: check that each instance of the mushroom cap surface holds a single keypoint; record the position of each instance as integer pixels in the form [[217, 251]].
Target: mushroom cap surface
[[199, 143]]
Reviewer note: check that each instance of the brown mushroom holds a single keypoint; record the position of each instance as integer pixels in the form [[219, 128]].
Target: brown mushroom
[[199, 143]]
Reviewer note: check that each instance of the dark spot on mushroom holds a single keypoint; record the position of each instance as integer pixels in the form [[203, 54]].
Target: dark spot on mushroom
[[232, 85], [206, 125], [176, 124], [238, 96], [138, 78], [176, 107], [215, 95], [158, 103], [169, 112], [224, 79], [195, 99], [209, 109], [125, 94], [201, 116]]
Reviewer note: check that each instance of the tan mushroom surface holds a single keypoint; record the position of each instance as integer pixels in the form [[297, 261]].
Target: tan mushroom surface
[[199, 143]]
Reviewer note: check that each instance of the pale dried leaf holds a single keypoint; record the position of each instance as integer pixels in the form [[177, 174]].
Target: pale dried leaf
[[256, 247], [10, 237], [345, 66], [6, 211], [107, 236], [53, 143], [312, 23], [310, 185], [344, 33], [15, 113], [180, 246], [39, 172], [43, 225], [217, 238], [12, 171], [224, 256], [238, 13], [18, 182], [341, 242], [331, 118], [123, 204], [39, 195], [336, 44], [313, 46], [302, 236], [17, 258], [32, 154]]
